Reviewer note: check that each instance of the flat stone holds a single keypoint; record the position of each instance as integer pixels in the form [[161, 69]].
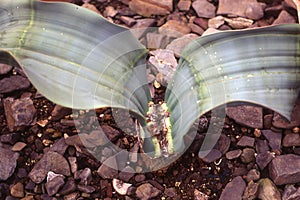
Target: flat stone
[[86, 188], [142, 26], [8, 163], [248, 8], [19, 146], [110, 11], [156, 41], [60, 146], [273, 138], [59, 112], [13, 83], [285, 169], [69, 187], [147, 191], [17, 190], [19, 112], [239, 22], [233, 154], [246, 115], [234, 189], [204, 9], [51, 161], [216, 22], [251, 191], [268, 190], [263, 159], [54, 185], [4, 68], [291, 193], [127, 173], [10, 138], [109, 169], [223, 144], [196, 29], [202, 22], [148, 8], [178, 44], [85, 176], [247, 155], [174, 28], [253, 175], [262, 146], [291, 139], [212, 156], [93, 139], [284, 18], [184, 5], [170, 192], [246, 141], [128, 20]]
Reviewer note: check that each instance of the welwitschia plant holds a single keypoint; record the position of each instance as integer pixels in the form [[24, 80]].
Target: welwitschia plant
[[78, 59]]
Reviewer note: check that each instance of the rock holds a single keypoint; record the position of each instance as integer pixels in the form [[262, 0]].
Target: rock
[[212, 156], [239, 22], [121, 187], [273, 138], [85, 176], [54, 185], [18, 146], [284, 18], [22, 173], [234, 190], [184, 5], [59, 112], [156, 41], [291, 139], [253, 175], [216, 22], [268, 190], [246, 115], [290, 4], [108, 169], [128, 20], [291, 193], [59, 146], [174, 28], [86, 188], [19, 112], [110, 11], [178, 44], [247, 155], [262, 146], [69, 187], [93, 139], [285, 169], [223, 144], [147, 191], [210, 31], [51, 161], [13, 83], [10, 138], [170, 192], [203, 23], [200, 195], [90, 7], [204, 9], [263, 159], [246, 141], [127, 173], [139, 178], [4, 68], [233, 154], [249, 8], [251, 191], [196, 29], [8, 163], [165, 62], [149, 7], [142, 26], [111, 133], [17, 190]]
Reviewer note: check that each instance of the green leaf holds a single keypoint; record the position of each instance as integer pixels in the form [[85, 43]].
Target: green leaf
[[259, 66], [73, 56]]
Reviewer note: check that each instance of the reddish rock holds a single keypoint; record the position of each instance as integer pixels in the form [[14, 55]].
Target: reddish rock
[[248, 8], [178, 44], [233, 154], [4, 69], [174, 28], [148, 7], [184, 5], [285, 169], [263, 159], [147, 191], [234, 190], [273, 138], [284, 18], [291, 139], [246, 115], [246, 141], [13, 83], [204, 9]]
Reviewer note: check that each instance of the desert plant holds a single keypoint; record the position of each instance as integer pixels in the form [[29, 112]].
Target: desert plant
[[78, 59]]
